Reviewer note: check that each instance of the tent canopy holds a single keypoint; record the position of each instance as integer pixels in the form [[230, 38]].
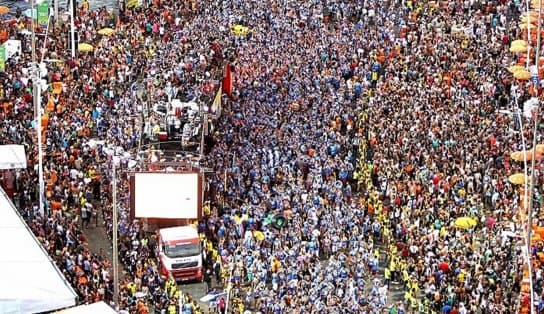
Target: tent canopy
[[31, 282], [12, 157], [98, 307]]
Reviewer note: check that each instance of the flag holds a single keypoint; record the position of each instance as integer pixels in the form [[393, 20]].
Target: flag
[[2, 58], [227, 81], [216, 105], [43, 14]]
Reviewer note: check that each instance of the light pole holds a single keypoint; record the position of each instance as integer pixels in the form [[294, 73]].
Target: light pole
[[36, 102], [115, 240], [533, 161], [72, 30]]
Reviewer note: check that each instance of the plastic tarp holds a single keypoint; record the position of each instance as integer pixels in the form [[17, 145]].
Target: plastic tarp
[[12, 157], [94, 308], [31, 282]]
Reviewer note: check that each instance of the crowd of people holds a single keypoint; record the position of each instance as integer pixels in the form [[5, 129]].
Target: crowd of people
[[93, 118], [370, 126]]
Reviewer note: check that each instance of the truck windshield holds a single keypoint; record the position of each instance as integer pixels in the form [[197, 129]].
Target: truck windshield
[[182, 250]]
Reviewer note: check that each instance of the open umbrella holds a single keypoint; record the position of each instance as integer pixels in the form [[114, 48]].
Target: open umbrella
[[106, 31], [518, 49], [522, 75], [518, 42], [465, 222], [4, 9], [530, 19], [239, 30], [527, 26], [30, 13], [83, 47], [444, 266], [518, 156], [515, 68], [539, 148], [518, 178]]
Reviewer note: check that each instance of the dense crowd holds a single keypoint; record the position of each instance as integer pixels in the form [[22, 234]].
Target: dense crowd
[[371, 126]]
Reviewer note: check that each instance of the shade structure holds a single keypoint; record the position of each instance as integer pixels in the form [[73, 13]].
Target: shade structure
[[518, 156], [535, 4], [518, 42], [12, 157], [93, 308], [465, 222], [31, 282], [530, 19], [540, 149], [515, 68], [106, 31], [522, 75], [4, 9], [530, 13], [518, 49], [518, 178], [83, 47], [526, 26], [239, 30]]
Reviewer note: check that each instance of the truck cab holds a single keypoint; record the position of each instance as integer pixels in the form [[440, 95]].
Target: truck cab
[[180, 252]]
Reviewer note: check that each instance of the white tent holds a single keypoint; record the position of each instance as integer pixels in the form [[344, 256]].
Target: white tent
[[12, 157], [98, 307], [31, 282]]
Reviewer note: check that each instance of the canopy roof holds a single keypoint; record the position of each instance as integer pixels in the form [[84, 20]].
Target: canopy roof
[[31, 282], [12, 157], [94, 308]]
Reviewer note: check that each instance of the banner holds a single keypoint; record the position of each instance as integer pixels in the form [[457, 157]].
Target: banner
[[2, 58], [216, 105], [43, 13], [227, 81]]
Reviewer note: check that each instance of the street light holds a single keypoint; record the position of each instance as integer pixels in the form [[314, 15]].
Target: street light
[[36, 102], [115, 240]]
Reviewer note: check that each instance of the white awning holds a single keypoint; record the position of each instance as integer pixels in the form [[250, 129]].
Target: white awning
[[94, 308], [31, 282], [12, 157]]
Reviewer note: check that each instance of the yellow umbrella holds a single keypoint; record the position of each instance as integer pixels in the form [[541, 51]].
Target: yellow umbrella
[[239, 30], [106, 31], [518, 42], [83, 47], [540, 148], [530, 19], [534, 5], [529, 13], [465, 222], [518, 178], [518, 49], [526, 26], [518, 156], [515, 68], [4, 9], [522, 75]]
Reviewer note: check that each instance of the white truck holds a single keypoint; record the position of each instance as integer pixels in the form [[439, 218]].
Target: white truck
[[180, 252]]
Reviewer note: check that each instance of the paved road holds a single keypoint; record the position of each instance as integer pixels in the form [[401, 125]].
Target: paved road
[[98, 239]]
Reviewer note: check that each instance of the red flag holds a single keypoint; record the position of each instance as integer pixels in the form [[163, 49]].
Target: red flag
[[227, 81]]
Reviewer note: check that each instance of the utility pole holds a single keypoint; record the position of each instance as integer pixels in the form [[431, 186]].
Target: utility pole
[[36, 101], [72, 29], [56, 10], [115, 241]]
